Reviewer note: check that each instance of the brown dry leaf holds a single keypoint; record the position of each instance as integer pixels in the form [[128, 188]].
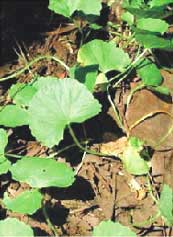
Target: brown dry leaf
[[154, 128], [115, 148], [35, 149]]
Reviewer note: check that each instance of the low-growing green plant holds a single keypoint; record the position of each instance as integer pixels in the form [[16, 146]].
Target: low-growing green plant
[[48, 106], [38, 173]]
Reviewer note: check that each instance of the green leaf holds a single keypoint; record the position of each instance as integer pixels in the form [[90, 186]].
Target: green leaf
[[153, 25], [2, 158], [41, 82], [4, 166], [95, 26], [161, 89], [155, 12], [3, 140], [68, 7], [114, 229], [22, 93], [50, 110], [152, 41], [27, 202], [136, 143], [13, 116], [86, 75], [128, 17], [42, 172], [104, 54], [14, 227], [133, 162], [133, 3], [155, 3], [149, 73], [101, 82], [166, 204]]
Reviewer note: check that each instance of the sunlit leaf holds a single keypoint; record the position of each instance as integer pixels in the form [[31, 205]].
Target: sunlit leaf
[[133, 3], [154, 12], [161, 89], [155, 3], [3, 140], [166, 204], [27, 202], [114, 229], [68, 7], [42, 172], [22, 93], [153, 25], [50, 110], [4, 166], [41, 82], [86, 75], [2, 158], [133, 162], [136, 143], [14, 227], [149, 73], [13, 116], [152, 41], [128, 17], [104, 54]]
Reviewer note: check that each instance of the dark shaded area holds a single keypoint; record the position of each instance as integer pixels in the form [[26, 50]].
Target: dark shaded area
[[39, 232], [57, 214], [23, 22], [80, 190]]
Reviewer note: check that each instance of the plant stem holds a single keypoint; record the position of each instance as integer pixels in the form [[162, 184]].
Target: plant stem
[[35, 60], [14, 155], [135, 89], [124, 74], [64, 149], [51, 226], [117, 116], [151, 190], [81, 147]]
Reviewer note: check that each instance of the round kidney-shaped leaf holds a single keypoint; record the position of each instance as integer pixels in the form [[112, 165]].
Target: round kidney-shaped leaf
[[68, 7], [110, 228], [153, 25], [42, 172], [14, 227], [13, 116], [55, 106], [27, 202], [22, 93], [105, 54], [149, 73], [165, 204], [133, 162]]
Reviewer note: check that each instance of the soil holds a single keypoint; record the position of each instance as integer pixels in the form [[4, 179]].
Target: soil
[[103, 189]]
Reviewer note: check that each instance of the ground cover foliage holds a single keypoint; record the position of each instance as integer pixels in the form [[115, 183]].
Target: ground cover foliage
[[90, 108]]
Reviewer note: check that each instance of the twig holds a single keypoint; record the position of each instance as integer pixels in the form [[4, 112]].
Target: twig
[[39, 58], [117, 116], [84, 148]]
